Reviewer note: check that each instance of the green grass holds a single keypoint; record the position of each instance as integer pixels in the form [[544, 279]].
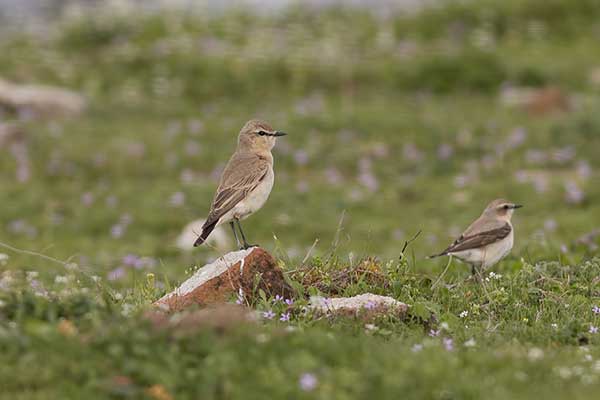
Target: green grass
[[366, 101]]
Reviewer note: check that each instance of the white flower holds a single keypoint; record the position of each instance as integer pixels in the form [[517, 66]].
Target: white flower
[[61, 279], [371, 327], [535, 354], [417, 347], [3, 259], [32, 275], [464, 314], [470, 343]]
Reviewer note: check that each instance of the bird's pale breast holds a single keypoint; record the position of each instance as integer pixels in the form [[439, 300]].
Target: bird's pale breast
[[489, 255], [253, 201]]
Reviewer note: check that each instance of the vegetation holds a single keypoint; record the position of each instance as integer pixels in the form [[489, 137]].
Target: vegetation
[[396, 124]]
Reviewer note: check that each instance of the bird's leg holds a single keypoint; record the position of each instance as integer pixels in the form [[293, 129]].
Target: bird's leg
[[237, 241], [244, 241], [476, 273]]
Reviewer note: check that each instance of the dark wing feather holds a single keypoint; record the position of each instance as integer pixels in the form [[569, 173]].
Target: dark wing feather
[[478, 240], [241, 175]]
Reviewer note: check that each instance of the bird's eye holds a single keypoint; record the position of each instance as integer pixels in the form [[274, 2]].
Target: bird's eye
[[262, 133], [506, 207]]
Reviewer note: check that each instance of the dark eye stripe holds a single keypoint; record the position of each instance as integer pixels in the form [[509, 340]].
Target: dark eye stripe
[[263, 133]]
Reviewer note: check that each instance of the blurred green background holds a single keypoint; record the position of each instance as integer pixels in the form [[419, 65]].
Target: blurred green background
[[400, 118]]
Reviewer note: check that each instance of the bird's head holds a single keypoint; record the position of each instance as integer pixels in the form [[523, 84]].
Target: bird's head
[[258, 136], [501, 209]]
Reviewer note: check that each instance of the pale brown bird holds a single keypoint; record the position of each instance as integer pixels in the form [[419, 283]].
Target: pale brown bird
[[246, 181], [487, 240]]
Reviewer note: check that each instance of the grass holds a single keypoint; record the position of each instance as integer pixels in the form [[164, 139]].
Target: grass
[[396, 125]]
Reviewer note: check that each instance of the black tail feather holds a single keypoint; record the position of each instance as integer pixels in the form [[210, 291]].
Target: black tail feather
[[444, 253], [206, 231]]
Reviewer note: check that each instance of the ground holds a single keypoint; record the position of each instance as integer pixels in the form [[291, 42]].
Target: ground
[[397, 124]]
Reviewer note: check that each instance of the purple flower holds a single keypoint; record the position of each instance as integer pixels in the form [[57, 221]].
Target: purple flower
[[278, 298], [448, 344], [368, 180], [433, 332], [117, 231], [333, 176], [308, 382], [130, 260], [116, 274], [285, 317], [445, 151], [268, 314], [370, 305], [593, 329], [301, 157], [289, 302], [596, 310], [177, 199], [87, 199], [240, 297], [516, 138], [574, 194]]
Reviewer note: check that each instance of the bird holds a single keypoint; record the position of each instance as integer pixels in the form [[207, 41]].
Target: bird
[[487, 240], [246, 181]]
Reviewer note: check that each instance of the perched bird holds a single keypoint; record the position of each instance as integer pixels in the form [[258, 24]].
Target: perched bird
[[487, 240], [246, 181]]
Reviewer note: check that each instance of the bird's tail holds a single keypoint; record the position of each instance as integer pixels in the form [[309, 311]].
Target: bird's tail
[[438, 255], [206, 231]]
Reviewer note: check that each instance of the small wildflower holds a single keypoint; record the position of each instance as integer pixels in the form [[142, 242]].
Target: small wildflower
[[593, 329], [308, 382], [3, 259], [289, 302], [268, 314], [448, 344], [464, 314], [116, 274], [177, 199], [434, 333], [417, 348], [240, 297], [278, 298], [470, 343], [535, 354], [130, 260], [371, 327], [285, 317], [596, 310], [554, 325], [370, 305]]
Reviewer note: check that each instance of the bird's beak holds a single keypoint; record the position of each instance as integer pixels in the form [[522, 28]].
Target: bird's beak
[[279, 133], [515, 206]]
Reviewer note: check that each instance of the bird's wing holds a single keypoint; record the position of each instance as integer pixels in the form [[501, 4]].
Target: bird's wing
[[241, 175], [479, 236]]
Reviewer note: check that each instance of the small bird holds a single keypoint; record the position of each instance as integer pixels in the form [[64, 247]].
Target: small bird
[[246, 181], [487, 240]]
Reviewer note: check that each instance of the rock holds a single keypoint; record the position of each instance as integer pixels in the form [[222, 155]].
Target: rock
[[222, 280], [536, 101], [366, 302], [40, 100], [217, 239]]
